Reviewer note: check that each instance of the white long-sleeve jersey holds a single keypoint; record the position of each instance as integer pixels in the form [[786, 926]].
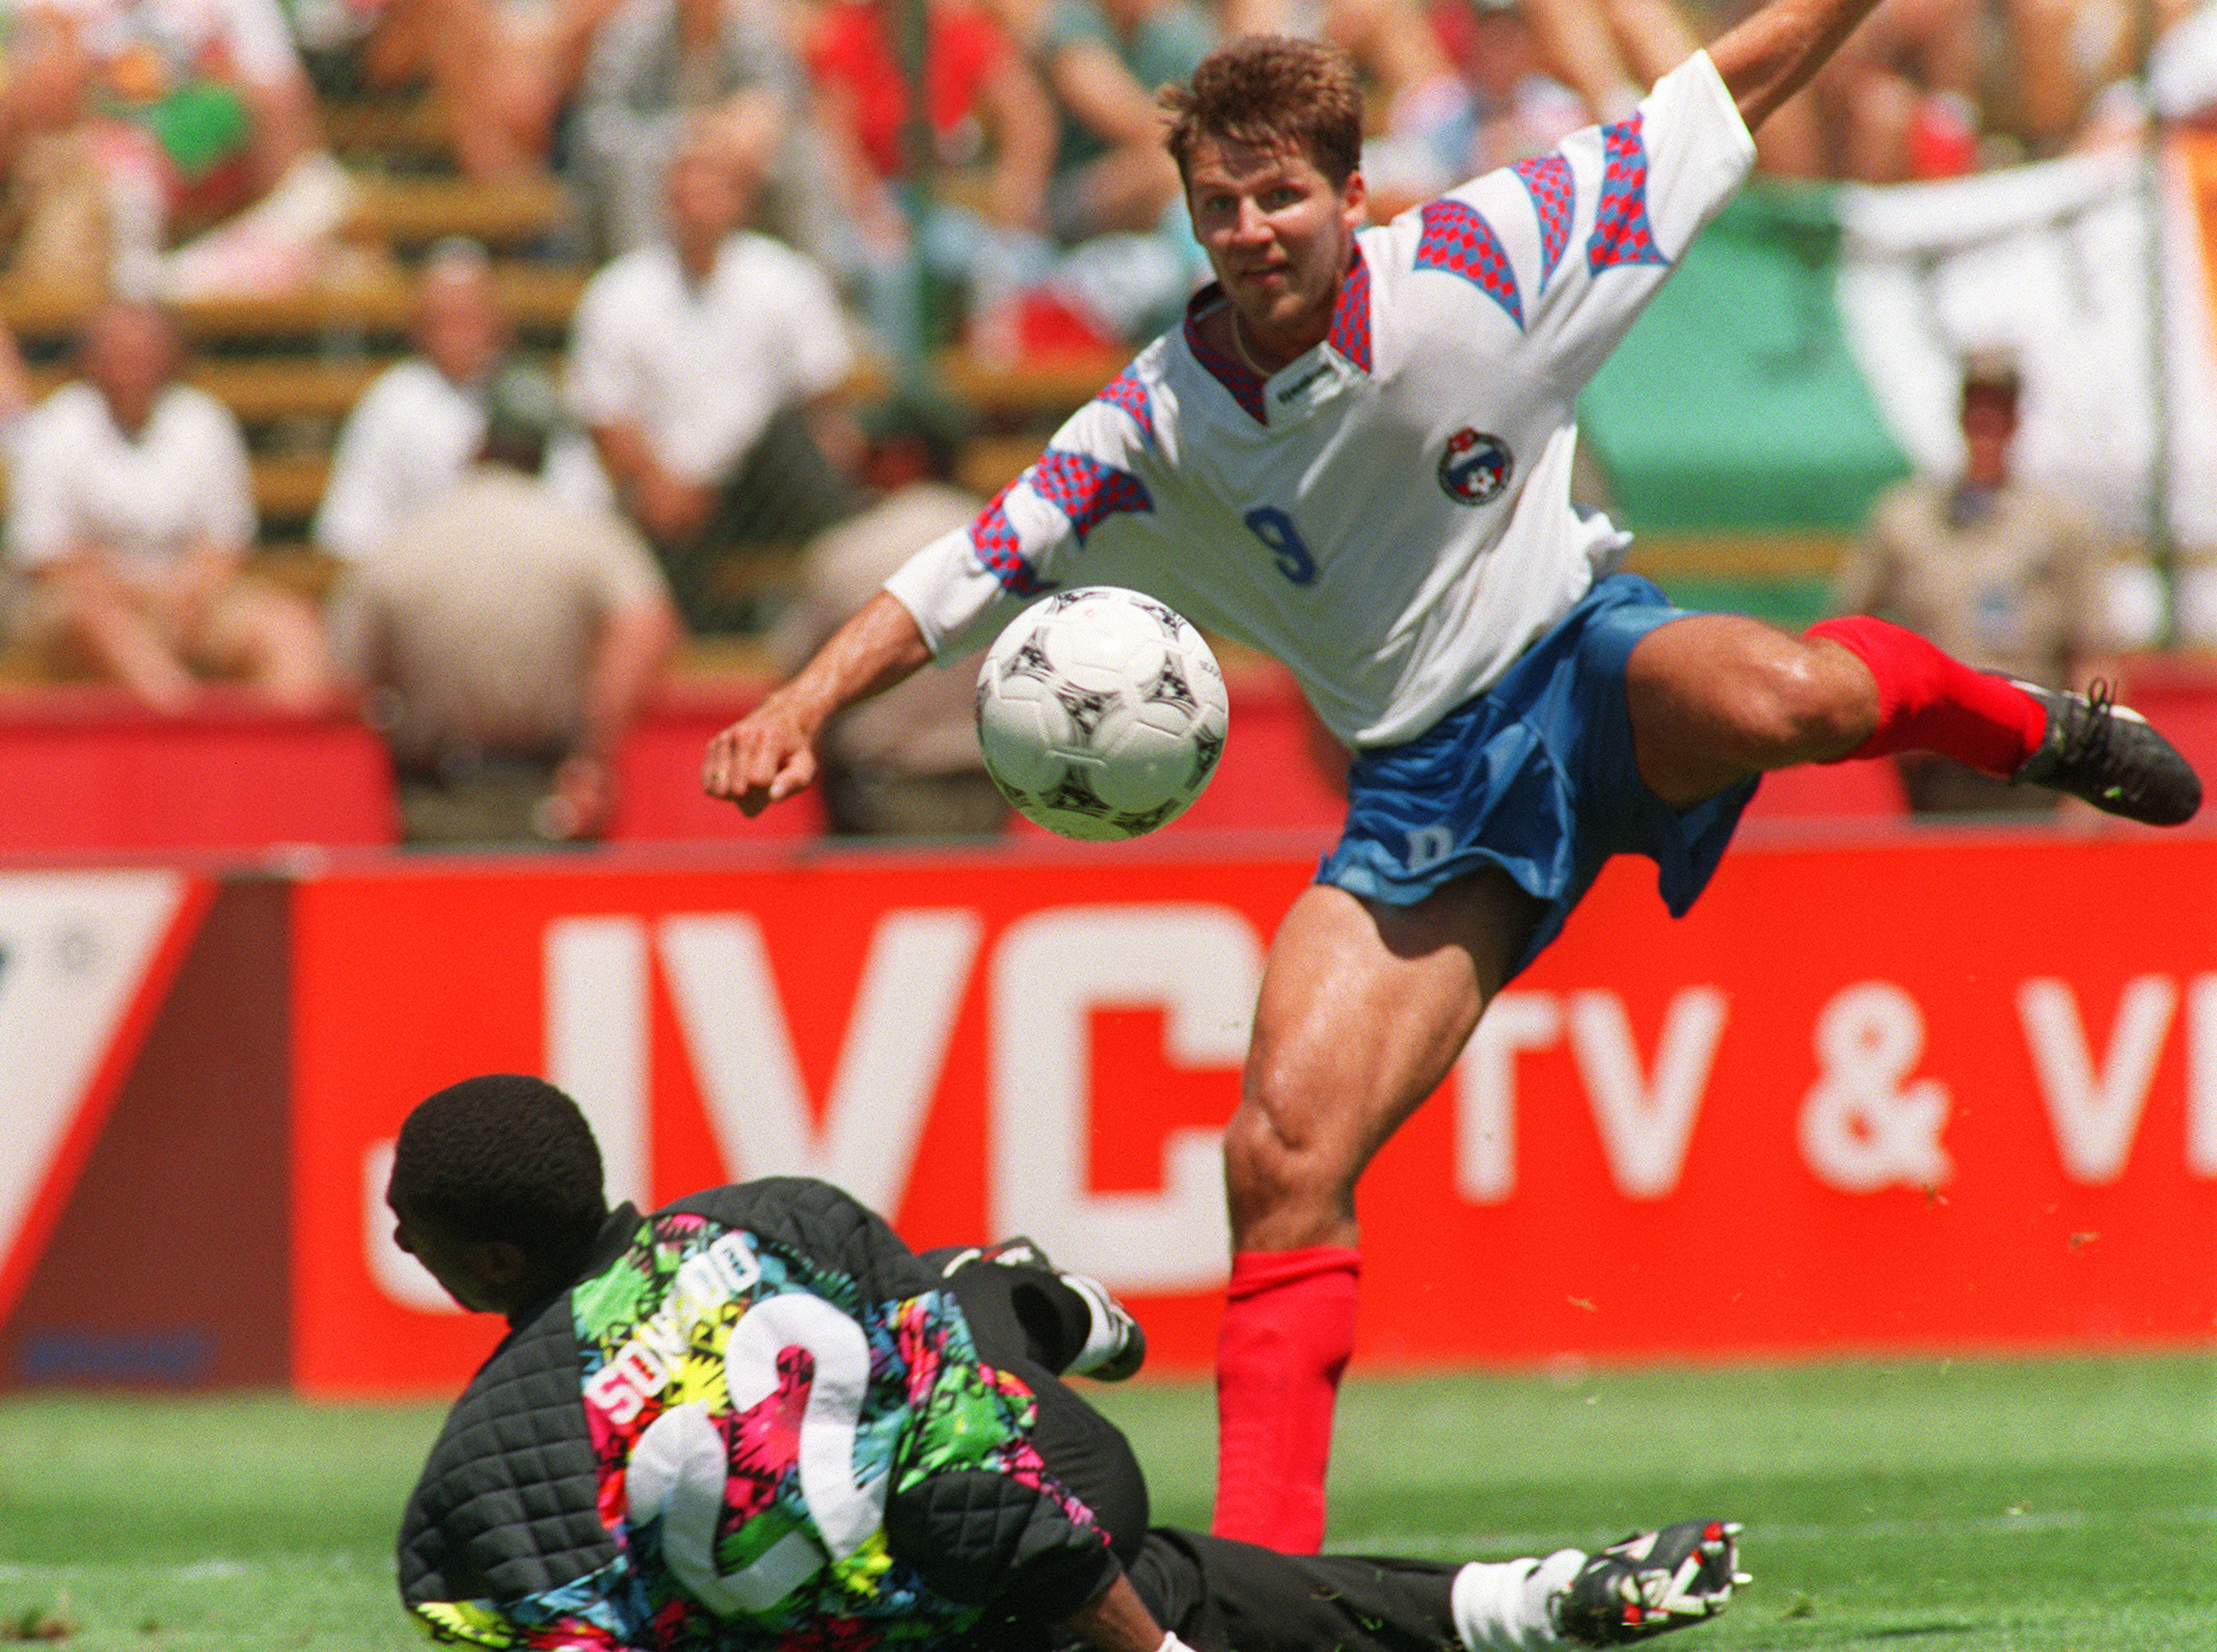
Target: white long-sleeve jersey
[[1389, 514]]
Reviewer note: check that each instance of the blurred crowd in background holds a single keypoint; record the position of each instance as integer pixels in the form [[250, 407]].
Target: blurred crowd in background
[[781, 241], [179, 146]]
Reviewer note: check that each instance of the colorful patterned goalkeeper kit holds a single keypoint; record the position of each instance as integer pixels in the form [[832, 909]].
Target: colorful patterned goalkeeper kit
[[754, 1420]]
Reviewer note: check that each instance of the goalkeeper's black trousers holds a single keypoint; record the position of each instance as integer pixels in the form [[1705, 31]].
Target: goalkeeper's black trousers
[[1215, 1593]]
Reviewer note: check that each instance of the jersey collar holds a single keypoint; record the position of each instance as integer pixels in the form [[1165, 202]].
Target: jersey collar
[[1349, 336]]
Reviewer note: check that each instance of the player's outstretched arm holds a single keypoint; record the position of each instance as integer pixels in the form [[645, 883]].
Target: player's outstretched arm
[[1770, 56], [770, 754]]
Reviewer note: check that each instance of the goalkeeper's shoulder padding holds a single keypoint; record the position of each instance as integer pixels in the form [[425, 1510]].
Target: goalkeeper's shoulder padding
[[508, 1502]]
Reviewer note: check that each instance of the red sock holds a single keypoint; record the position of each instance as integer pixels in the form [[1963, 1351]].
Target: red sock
[[1931, 701], [1289, 1328]]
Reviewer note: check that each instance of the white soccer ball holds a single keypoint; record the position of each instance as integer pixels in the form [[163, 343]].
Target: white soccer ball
[[1101, 713]]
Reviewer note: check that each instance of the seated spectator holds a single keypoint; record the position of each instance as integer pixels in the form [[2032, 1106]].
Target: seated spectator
[[501, 70], [708, 370], [988, 113], [906, 763], [508, 640], [660, 73], [1113, 200], [1409, 60], [1608, 51], [417, 428], [1103, 61], [1611, 51], [126, 119], [2001, 573], [1900, 99], [1928, 88], [1509, 110], [131, 514]]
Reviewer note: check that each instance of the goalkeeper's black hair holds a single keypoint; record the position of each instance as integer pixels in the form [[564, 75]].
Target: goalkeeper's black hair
[[503, 1156]]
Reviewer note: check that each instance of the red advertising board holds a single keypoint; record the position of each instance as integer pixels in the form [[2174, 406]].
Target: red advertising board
[[1935, 1092]]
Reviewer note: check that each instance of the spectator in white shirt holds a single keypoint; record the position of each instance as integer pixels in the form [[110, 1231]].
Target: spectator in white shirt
[[657, 75], [708, 370], [131, 514], [417, 429]]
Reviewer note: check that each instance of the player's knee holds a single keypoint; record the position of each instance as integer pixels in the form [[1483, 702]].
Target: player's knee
[[1257, 1158], [1795, 703], [1278, 1177]]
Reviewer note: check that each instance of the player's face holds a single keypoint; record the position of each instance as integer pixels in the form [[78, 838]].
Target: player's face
[[1279, 235], [470, 1270]]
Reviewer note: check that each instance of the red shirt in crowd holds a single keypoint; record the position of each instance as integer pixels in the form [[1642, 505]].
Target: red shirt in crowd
[[853, 49]]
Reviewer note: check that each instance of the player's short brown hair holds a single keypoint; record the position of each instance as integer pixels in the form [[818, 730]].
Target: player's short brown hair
[[1270, 91]]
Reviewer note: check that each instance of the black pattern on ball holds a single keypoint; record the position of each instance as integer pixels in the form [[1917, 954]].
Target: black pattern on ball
[[1029, 660], [1072, 793], [1171, 688], [1084, 706], [1172, 622], [1101, 714], [1145, 820], [1207, 746]]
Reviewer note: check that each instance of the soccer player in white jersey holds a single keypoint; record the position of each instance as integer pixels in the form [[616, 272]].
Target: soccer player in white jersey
[[1355, 454]]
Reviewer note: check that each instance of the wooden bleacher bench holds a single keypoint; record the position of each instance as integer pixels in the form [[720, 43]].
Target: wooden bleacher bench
[[300, 360], [259, 391], [1053, 386], [540, 297], [417, 211], [289, 487], [383, 131]]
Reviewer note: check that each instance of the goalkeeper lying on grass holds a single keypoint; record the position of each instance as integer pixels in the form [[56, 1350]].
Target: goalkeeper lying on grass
[[756, 1419]]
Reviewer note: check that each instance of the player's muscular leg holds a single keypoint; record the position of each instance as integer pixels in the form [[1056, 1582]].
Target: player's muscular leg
[[1716, 697], [1364, 1008]]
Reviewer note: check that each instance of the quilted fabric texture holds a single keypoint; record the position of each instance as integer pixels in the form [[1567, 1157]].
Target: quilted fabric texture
[[505, 1504], [983, 1538]]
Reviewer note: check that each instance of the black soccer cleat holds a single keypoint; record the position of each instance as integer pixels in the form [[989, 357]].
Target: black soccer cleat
[[2109, 755], [1116, 1346], [1649, 1584]]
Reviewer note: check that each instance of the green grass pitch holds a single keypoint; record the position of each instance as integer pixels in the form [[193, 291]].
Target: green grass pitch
[[1917, 1505]]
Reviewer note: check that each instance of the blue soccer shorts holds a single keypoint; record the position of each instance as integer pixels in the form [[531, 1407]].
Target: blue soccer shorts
[[1535, 776]]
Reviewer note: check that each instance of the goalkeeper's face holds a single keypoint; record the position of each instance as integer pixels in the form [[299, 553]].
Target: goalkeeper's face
[[483, 1275]]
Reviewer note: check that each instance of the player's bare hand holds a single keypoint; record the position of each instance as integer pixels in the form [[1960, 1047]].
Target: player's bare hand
[[764, 758]]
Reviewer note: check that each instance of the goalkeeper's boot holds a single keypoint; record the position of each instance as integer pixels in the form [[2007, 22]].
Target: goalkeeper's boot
[[1115, 1346], [2108, 754], [1650, 1582]]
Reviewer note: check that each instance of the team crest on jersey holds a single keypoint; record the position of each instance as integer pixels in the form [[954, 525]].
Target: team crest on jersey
[[1475, 468]]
